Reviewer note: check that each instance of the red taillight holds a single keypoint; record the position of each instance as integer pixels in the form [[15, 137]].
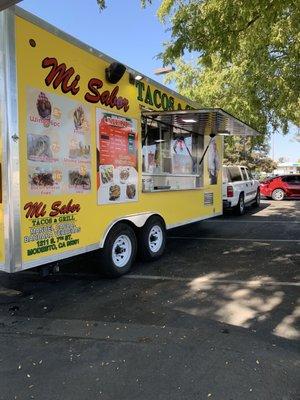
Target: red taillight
[[229, 191]]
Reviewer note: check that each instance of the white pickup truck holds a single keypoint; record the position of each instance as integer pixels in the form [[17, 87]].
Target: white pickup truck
[[239, 188]]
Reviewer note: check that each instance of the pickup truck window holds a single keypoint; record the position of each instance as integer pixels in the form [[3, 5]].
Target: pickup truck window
[[244, 173], [234, 174], [250, 174]]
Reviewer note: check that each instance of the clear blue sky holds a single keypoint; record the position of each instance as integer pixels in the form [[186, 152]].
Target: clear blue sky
[[128, 33]]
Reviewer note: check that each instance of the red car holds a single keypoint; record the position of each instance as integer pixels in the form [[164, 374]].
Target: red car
[[280, 187]]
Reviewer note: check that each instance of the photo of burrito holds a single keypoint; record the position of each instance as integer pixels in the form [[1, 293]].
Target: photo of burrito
[[114, 192], [130, 191], [39, 148], [82, 180], [44, 108]]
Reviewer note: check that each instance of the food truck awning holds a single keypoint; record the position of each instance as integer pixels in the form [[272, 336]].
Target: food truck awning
[[203, 121], [8, 3]]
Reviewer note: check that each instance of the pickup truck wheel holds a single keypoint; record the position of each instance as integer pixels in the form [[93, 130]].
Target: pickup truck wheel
[[278, 194], [240, 207], [257, 199], [119, 251], [152, 239]]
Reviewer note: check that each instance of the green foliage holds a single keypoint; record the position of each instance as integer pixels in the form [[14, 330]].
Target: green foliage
[[102, 3], [245, 151], [247, 56], [225, 87], [297, 136]]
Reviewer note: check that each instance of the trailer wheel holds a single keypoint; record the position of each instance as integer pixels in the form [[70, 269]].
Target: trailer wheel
[[152, 239], [119, 251]]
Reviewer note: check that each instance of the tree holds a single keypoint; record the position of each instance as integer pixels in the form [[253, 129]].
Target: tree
[[297, 136], [282, 160], [102, 3], [246, 56], [244, 151]]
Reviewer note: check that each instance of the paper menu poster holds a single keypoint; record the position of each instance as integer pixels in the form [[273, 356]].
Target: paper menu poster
[[117, 167], [58, 144], [181, 152]]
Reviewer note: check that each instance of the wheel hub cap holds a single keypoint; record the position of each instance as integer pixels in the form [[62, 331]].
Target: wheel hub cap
[[121, 251], [155, 238]]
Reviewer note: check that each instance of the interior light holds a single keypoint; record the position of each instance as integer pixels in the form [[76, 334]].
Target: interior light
[[225, 133], [189, 120], [159, 140]]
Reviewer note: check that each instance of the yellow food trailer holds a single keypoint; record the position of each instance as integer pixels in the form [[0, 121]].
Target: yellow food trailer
[[95, 155]]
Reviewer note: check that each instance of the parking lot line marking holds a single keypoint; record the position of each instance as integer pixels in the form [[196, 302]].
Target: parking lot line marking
[[209, 280], [234, 239]]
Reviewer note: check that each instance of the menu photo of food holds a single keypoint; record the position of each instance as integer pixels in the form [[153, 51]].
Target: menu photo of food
[[42, 148], [79, 150], [106, 174], [124, 173], [39, 148], [44, 108], [114, 192], [128, 176], [43, 112], [44, 180], [80, 119], [79, 180], [131, 191], [117, 184]]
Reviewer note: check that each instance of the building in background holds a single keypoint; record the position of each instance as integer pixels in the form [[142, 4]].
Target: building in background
[[287, 168]]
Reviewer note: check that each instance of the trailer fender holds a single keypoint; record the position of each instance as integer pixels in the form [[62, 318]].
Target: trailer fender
[[138, 220]]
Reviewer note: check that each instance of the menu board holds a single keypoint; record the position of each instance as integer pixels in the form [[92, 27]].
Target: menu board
[[58, 144], [117, 158]]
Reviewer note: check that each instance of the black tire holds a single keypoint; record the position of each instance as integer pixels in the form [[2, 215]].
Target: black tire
[[278, 194], [240, 207], [150, 248], [120, 237], [257, 199]]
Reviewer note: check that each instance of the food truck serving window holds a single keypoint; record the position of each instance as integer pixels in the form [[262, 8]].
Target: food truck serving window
[[170, 156]]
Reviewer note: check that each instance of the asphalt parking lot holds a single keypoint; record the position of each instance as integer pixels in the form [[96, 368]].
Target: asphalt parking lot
[[215, 318]]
